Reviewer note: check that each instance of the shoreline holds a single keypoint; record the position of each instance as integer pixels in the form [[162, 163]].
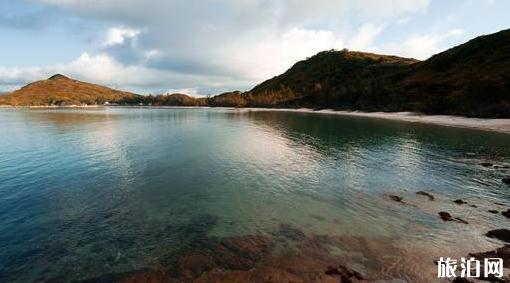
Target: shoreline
[[484, 124]]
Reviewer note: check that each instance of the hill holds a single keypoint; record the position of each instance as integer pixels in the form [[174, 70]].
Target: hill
[[472, 79], [61, 90], [333, 79], [174, 99]]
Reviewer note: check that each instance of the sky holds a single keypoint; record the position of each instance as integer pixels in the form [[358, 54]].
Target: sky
[[210, 46]]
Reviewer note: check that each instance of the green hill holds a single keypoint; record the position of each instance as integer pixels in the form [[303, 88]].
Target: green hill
[[333, 79], [175, 99], [472, 79]]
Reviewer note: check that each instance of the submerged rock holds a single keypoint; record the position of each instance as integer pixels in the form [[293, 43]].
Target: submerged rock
[[194, 264], [395, 198], [500, 234], [460, 220], [506, 180], [501, 167], [461, 280], [345, 274], [240, 253], [289, 232], [251, 246], [506, 213], [430, 196], [145, 275], [459, 202], [493, 211], [445, 216], [486, 164], [503, 252]]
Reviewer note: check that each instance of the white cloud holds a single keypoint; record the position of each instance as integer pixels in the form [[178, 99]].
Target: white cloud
[[222, 44], [266, 57], [105, 70], [118, 35], [384, 9], [422, 46], [100, 68], [191, 91], [365, 37]]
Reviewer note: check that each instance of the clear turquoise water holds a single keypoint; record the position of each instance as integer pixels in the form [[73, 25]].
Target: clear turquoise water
[[84, 193]]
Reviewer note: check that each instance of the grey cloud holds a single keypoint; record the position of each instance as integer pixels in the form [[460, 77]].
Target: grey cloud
[[221, 40]]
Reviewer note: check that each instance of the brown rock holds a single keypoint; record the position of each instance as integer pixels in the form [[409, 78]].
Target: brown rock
[[193, 265], [142, 276], [290, 232], [240, 253], [445, 216], [345, 274], [250, 246], [395, 198], [431, 197], [503, 252], [500, 234], [461, 280], [501, 166]]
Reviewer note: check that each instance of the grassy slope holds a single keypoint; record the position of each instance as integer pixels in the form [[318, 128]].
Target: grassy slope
[[60, 90], [472, 79], [338, 79]]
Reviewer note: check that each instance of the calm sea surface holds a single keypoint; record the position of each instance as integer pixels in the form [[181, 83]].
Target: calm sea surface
[[90, 193]]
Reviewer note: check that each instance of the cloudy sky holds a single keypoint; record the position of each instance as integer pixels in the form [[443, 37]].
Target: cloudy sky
[[208, 46]]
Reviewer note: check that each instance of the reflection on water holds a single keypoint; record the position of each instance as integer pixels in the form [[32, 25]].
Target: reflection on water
[[87, 193]]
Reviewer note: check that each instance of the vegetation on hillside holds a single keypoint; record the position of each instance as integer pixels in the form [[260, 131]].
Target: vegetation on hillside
[[61, 90], [472, 79], [175, 99]]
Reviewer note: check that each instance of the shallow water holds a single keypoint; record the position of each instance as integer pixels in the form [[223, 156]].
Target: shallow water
[[87, 193]]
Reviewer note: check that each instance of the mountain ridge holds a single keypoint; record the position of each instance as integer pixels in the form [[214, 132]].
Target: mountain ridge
[[471, 79]]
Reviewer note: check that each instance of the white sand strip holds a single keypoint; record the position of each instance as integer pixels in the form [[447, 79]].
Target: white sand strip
[[495, 125]]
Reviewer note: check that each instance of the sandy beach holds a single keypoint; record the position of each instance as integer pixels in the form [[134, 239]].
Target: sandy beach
[[495, 125]]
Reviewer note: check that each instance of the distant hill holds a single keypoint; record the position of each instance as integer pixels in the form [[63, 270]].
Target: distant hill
[[61, 90], [174, 99]]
